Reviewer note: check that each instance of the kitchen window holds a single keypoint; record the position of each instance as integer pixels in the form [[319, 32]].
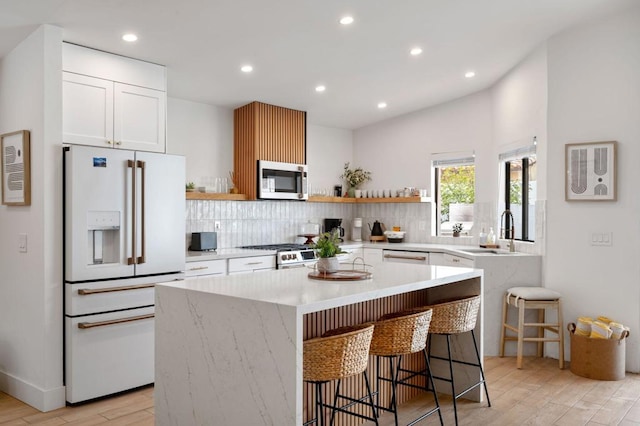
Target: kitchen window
[[518, 193], [454, 191]]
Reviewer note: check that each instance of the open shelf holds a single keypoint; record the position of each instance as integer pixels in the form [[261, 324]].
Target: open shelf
[[312, 199], [215, 196], [321, 199]]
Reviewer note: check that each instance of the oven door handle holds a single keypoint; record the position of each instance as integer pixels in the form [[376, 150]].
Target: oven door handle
[[293, 266], [85, 325]]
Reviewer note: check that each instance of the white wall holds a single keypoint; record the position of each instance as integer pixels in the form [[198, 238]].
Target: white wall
[[594, 95], [31, 286], [327, 151], [398, 152], [204, 135]]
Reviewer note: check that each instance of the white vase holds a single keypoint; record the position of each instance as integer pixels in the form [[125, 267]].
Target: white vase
[[358, 193], [328, 265]]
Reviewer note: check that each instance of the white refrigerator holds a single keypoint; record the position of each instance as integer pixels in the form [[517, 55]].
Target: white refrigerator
[[124, 231]]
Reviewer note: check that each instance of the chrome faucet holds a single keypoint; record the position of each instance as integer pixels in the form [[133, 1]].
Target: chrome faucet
[[509, 221]]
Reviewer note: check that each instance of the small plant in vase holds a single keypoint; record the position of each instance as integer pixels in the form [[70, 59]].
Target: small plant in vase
[[355, 178], [457, 228], [326, 249], [190, 187]]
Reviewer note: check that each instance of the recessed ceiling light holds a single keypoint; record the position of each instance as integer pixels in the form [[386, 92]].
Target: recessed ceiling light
[[382, 105], [346, 20], [130, 37], [415, 51], [470, 74], [246, 68], [320, 88]]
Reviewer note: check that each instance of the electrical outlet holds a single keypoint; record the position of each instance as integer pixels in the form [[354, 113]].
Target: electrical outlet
[[217, 225], [22, 243], [602, 238]]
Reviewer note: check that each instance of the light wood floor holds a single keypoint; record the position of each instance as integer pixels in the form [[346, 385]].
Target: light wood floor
[[539, 394]]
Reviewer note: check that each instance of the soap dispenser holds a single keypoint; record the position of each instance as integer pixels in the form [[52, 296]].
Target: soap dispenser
[[491, 238], [483, 237]]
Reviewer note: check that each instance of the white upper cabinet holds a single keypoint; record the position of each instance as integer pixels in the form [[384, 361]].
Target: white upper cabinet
[[112, 101]]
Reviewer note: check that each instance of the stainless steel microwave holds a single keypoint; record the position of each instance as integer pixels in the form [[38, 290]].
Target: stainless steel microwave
[[282, 181]]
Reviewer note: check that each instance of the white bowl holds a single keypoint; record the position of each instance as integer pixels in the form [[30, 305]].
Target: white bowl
[[394, 234]]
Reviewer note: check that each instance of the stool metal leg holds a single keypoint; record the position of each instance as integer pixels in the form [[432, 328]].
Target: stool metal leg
[[453, 387], [484, 382], [319, 405], [335, 401], [371, 404]]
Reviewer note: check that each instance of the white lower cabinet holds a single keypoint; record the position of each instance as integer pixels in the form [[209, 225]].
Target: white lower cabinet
[[452, 260], [205, 268], [244, 265], [372, 255]]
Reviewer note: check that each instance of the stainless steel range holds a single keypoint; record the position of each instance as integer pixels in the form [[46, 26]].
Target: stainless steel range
[[289, 255]]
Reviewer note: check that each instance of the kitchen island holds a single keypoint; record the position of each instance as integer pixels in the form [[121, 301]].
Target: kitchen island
[[229, 349]]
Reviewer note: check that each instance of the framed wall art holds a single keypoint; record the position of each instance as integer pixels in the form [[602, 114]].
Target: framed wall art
[[590, 171], [16, 170]]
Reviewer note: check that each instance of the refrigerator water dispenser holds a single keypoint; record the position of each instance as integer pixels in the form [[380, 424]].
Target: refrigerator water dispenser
[[103, 232]]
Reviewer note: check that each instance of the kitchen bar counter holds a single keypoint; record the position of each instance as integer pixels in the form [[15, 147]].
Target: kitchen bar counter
[[229, 349]]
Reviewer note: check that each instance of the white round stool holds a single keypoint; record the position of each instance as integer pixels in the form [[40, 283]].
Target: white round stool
[[533, 298]]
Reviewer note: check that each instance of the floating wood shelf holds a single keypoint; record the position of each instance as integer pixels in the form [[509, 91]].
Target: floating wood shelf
[[312, 199], [215, 196], [322, 199]]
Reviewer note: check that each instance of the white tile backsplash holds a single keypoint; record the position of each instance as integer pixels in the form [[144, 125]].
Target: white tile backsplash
[[270, 222]]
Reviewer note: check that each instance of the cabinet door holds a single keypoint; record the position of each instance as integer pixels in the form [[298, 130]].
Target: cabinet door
[[87, 110], [139, 118]]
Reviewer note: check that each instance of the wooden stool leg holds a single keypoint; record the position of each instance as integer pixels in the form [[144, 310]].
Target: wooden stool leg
[[560, 336], [505, 309], [541, 320], [521, 309]]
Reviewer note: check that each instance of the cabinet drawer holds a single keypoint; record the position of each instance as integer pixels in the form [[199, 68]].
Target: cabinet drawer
[[105, 296], [246, 264], [452, 260], [206, 267], [108, 353]]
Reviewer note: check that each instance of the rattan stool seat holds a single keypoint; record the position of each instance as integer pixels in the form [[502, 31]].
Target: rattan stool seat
[[456, 317], [395, 335], [338, 354]]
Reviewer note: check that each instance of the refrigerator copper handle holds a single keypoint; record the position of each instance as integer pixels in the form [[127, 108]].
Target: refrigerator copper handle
[[132, 260], [141, 259], [88, 291], [85, 325]]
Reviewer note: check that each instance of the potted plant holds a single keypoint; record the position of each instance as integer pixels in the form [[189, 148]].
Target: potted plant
[[190, 187], [326, 249], [457, 228], [355, 178]]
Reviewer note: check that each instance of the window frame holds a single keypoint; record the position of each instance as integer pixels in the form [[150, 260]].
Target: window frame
[[438, 162], [523, 155]]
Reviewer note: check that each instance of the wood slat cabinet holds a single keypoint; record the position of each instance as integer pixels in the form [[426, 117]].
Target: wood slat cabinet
[[265, 132]]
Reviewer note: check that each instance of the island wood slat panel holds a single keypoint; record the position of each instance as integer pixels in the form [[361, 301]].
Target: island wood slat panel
[[315, 324], [265, 132]]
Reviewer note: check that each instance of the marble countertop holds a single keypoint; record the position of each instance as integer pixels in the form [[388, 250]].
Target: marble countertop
[[293, 287], [457, 250]]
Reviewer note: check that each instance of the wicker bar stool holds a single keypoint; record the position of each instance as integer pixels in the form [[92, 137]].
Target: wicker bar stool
[[338, 354], [454, 318], [394, 336], [538, 298]]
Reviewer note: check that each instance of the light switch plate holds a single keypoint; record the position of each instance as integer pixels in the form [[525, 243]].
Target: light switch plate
[[22, 243], [602, 239]]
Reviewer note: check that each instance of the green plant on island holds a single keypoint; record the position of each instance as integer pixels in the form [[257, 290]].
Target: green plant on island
[[327, 245]]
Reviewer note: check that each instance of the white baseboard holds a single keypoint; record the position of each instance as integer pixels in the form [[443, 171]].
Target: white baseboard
[[40, 399]]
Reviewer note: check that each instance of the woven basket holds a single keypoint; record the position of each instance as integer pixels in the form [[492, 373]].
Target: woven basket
[[337, 355], [457, 316], [401, 333]]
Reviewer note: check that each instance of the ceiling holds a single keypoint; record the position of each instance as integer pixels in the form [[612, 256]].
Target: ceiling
[[295, 45]]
